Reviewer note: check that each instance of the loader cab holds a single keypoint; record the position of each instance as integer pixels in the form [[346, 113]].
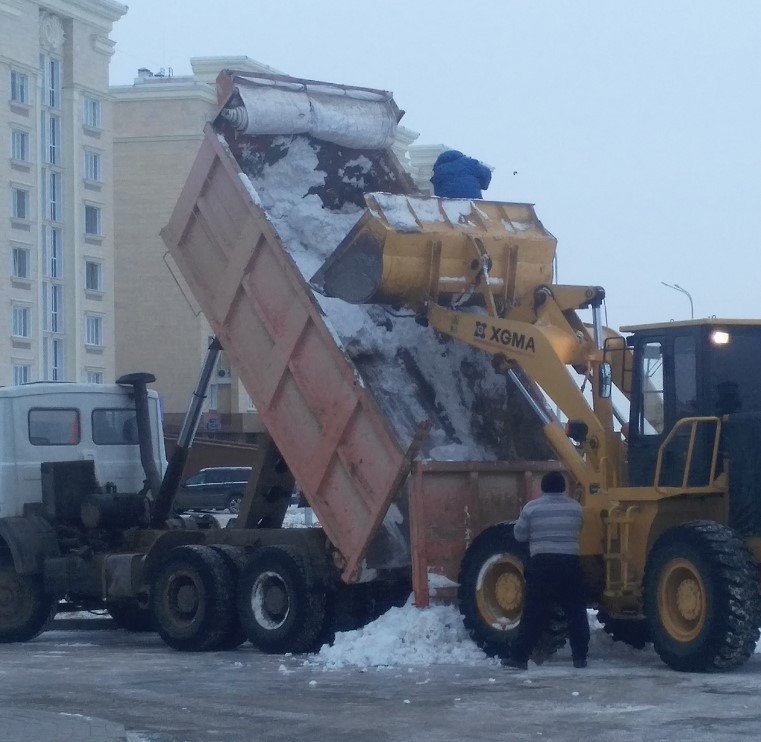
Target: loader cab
[[688, 369]]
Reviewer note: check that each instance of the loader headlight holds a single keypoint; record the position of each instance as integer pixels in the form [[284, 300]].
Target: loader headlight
[[720, 337]]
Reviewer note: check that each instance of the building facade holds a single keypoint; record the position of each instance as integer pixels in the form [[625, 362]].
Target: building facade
[[158, 128], [56, 207]]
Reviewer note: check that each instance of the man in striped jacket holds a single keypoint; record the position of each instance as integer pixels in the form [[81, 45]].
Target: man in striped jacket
[[551, 525]]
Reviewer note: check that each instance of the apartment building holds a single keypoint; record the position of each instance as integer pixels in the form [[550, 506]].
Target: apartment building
[[56, 202], [158, 128]]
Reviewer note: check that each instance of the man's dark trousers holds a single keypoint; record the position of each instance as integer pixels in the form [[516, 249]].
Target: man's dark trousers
[[553, 579]]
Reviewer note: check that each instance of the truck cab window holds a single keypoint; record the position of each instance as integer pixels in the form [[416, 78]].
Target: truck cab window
[[114, 427], [651, 405], [54, 427]]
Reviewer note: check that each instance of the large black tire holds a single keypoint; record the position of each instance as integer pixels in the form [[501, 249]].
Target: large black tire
[[632, 631], [192, 599], [234, 559], [280, 609], [132, 617], [24, 606], [701, 598], [491, 595]]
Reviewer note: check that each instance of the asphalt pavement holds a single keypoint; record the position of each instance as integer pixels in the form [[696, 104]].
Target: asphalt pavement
[[100, 684]]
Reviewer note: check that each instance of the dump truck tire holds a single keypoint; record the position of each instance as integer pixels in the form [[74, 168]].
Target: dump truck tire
[[635, 631], [234, 559], [491, 595], [24, 606], [701, 598], [279, 607], [192, 599], [132, 617]]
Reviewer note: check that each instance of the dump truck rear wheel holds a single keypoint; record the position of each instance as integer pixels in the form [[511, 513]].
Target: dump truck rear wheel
[[24, 606], [491, 595], [132, 617], [632, 631], [192, 599], [234, 560], [279, 607], [701, 598]]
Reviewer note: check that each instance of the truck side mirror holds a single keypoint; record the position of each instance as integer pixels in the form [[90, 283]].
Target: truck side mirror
[[605, 380]]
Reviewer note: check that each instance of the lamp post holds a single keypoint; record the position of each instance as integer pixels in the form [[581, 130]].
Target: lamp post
[[677, 287]]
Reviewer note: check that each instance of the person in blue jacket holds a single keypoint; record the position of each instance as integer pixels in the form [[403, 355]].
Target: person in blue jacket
[[457, 176]]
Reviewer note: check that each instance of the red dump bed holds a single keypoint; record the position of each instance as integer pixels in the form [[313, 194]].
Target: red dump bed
[[325, 423]]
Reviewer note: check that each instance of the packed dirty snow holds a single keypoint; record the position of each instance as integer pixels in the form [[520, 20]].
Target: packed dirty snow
[[415, 375], [410, 636]]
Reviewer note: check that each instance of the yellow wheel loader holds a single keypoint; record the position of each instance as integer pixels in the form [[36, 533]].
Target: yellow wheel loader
[[671, 486]]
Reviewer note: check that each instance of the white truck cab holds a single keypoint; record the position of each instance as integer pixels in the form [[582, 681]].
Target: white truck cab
[[60, 421]]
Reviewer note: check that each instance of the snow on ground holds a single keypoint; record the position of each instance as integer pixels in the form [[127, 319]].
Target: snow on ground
[[410, 637]]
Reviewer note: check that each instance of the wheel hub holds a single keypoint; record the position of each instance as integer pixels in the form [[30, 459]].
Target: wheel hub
[[500, 591], [270, 601], [682, 600]]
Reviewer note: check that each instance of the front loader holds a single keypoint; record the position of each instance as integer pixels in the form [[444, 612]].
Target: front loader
[[671, 491]]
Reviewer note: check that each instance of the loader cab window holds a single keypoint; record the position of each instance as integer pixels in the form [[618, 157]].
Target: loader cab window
[[651, 407], [685, 377], [54, 427], [114, 427]]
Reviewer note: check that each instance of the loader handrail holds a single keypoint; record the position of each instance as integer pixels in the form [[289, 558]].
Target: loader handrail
[[693, 422]]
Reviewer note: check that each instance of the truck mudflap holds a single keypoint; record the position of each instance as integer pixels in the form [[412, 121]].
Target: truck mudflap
[[30, 540], [338, 444]]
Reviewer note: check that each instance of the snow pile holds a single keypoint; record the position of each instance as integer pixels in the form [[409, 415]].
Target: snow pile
[[414, 375], [405, 636]]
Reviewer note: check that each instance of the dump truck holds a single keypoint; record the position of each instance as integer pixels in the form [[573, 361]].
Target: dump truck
[[671, 543], [402, 463]]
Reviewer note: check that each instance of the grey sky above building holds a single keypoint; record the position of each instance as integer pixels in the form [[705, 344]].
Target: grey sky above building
[[633, 128]]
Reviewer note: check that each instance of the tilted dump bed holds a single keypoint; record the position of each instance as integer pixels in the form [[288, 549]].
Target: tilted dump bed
[[345, 391]]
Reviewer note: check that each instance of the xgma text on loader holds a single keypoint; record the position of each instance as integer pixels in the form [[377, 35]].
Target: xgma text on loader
[[671, 544]]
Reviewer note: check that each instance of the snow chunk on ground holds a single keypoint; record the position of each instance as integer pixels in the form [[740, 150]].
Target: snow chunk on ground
[[405, 636]]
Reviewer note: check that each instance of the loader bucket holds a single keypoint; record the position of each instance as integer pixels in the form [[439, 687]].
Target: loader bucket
[[405, 249]]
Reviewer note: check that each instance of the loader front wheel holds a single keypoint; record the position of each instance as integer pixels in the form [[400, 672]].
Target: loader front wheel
[[279, 607], [24, 607], [492, 591], [192, 599], [701, 598]]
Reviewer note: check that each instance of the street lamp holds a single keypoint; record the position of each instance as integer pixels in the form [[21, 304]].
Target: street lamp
[[677, 287]]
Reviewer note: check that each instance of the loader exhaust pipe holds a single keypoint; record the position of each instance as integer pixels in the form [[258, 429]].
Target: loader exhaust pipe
[[139, 383], [167, 490]]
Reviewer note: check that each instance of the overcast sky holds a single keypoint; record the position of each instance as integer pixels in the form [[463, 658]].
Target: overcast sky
[[634, 127]]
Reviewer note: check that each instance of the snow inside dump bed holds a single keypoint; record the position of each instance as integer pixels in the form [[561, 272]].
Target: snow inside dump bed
[[313, 193]]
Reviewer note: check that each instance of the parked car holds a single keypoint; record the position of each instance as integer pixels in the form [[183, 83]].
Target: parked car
[[215, 488]]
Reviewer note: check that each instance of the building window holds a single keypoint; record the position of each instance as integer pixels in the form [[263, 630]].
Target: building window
[[54, 196], [19, 145], [22, 326], [251, 405], [93, 276], [20, 203], [52, 92], [93, 330], [22, 373], [19, 87], [92, 166], [21, 257], [52, 252], [92, 113], [54, 140], [92, 220], [53, 358], [94, 377], [53, 307]]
